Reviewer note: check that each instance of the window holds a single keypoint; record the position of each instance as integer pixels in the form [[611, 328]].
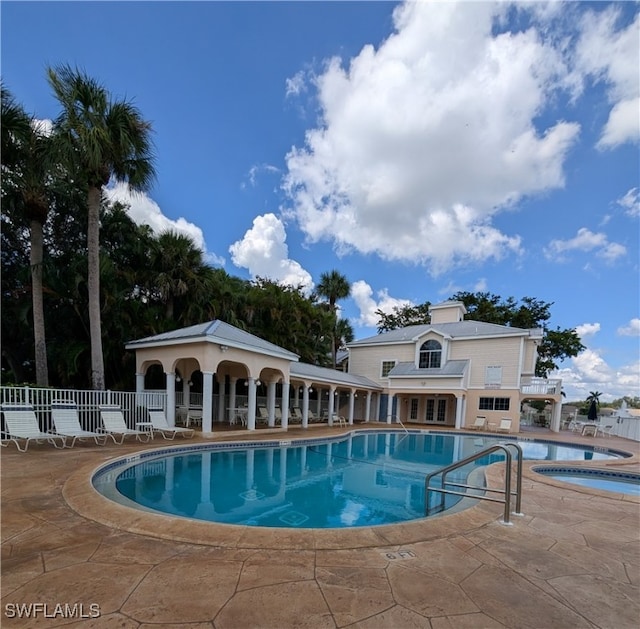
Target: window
[[413, 412], [430, 355], [493, 377], [429, 410], [387, 366], [494, 404], [442, 411]]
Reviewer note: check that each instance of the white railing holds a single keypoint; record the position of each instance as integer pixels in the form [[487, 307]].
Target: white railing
[[133, 404], [540, 386]]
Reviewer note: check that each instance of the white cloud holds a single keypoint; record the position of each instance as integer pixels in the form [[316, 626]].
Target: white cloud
[[585, 241], [362, 294], [610, 54], [42, 126], [264, 252], [143, 210], [295, 85], [587, 329], [631, 329], [631, 202], [423, 140], [254, 171]]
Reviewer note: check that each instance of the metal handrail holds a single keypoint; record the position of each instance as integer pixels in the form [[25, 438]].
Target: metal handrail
[[507, 493], [400, 422]]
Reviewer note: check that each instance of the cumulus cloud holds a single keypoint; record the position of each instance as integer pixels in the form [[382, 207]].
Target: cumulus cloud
[[631, 202], [264, 252], [424, 139], [630, 329], [609, 54], [143, 210], [586, 241], [587, 329], [362, 295]]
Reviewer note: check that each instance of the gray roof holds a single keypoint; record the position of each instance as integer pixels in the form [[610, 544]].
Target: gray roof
[[333, 376], [450, 368], [460, 329], [215, 331]]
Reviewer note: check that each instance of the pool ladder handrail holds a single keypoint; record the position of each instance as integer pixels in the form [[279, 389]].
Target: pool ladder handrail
[[400, 422], [506, 492]]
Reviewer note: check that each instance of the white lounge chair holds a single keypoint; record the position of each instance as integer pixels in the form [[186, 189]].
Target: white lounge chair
[[21, 424], [339, 420], [67, 422], [160, 424], [605, 430], [114, 425], [263, 415], [295, 416], [479, 424], [504, 426]]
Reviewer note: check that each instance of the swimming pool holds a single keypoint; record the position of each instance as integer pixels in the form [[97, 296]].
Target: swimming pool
[[607, 480], [362, 479]]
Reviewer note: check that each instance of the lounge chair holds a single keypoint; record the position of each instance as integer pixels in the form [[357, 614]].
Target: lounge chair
[[160, 424], [504, 426], [67, 422], [605, 430], [263, 415], [479, 424], [339, 420], [296, 416], [278, 416], [21, 424], [114, 425]]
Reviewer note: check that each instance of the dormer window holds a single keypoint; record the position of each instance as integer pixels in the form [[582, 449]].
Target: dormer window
[[430, 355]]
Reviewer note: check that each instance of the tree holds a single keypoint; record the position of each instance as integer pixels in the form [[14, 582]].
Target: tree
[[99, 140], [403, 316], [333, 286], [28, 164]]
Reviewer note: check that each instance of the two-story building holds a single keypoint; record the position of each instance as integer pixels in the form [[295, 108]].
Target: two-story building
[[450, 371]]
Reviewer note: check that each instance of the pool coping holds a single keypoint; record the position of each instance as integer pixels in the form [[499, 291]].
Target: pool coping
[[79, 493]]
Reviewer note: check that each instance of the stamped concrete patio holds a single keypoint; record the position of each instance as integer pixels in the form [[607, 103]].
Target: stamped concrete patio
[[573, 559]]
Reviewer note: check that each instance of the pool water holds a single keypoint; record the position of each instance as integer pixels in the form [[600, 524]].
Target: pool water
[[620, 482], [362, 479]]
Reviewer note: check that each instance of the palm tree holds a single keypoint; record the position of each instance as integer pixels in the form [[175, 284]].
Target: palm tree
[[177, 266], [101, 140], [333, 286], [27, 165]]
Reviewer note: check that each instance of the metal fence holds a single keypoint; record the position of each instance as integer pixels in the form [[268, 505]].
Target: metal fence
[[134, 405]]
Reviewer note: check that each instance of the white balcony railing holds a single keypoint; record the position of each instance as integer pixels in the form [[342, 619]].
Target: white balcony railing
[[540, 386]]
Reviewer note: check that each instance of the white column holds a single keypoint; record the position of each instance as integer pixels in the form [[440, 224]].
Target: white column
[[555, 419], [171, 398], [459, 414], [222, 395], [367, 412], [285, 405], [251, 410], [319, 402], [352, 400], [139, 382], [305, 406], [271, 403], [186, 393], [331, 410], [232, 396], [296, 396], [207, 399], [390, 407]]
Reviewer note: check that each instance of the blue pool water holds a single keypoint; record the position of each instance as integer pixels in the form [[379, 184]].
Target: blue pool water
[[363, 479], [607, 480]]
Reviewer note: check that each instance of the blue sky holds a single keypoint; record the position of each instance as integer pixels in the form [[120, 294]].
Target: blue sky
[[420, 149]]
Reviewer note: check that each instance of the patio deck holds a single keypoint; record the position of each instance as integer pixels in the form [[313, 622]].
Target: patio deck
[[573, 559]]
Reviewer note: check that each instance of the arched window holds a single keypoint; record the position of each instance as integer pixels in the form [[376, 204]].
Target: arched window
[[430, 355]]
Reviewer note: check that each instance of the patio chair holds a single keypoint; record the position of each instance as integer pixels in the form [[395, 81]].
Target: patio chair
[[160, 424], [278, 416], [263, 415], [479, 424], [339, 420], [67, 422], [295, 416], [504, 426], [114, 425], [21, 424], [605, 430]]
